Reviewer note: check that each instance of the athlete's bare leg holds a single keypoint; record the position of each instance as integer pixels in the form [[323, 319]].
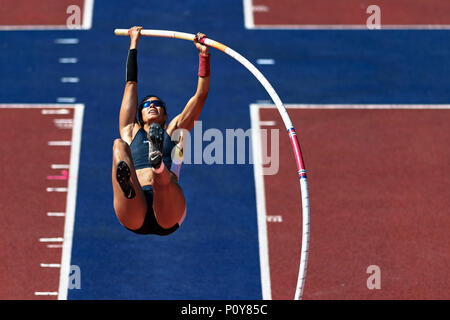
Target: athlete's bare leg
[[130, 212], [169, 203]]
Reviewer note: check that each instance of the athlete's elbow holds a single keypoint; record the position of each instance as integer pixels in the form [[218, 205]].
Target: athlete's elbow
[[130, 84], [201, 95]]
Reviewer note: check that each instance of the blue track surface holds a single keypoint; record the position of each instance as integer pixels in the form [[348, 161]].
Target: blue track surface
[[214, 255]]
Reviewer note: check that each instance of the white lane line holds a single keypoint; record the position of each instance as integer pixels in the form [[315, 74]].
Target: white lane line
[[265, 61], [59, 143], [275, 219], [66, 99], [358, 106], [60, 166], [248, 14], [51, 239], [67, 41], [71, 203], [68, 60], [260, 8], [267, 123], [39, 106], [346, 27], [54, 111], [88, 12], [50, 265], [49, 189], [260, 203], [54, 246], [33, 27], [63, 123], [56, 214], [70, 79], [46, 293]]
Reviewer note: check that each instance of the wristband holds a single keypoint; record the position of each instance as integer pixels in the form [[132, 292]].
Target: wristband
[[132, 72], [204, 69]]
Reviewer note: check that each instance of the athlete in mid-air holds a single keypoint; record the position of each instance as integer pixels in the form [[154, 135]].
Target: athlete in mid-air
[[147, 196]]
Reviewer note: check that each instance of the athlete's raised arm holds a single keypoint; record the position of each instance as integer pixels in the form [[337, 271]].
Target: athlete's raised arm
[[128, 109], [192, 110]]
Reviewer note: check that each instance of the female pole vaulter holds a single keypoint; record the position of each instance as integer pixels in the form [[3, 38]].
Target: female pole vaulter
[[147, 196]]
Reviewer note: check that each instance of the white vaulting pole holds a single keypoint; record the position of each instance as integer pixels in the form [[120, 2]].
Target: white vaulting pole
[[301, 171]]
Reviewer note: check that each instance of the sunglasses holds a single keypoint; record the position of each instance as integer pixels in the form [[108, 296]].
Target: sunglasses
[[156, 103]]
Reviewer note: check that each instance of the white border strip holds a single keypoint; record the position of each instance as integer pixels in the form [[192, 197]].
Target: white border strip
[[248, 14], [33, 27], [46, 293], [71, 202], [88, 13], [347, 27], [39, 106], [59, 239], [358, 106], [260, 203], [50, 265]]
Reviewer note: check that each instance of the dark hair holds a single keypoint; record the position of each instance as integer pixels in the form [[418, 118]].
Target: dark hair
[[141, 106]]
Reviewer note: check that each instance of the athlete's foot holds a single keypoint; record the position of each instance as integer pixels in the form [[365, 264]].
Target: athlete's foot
[[155, 148], [123, 175]]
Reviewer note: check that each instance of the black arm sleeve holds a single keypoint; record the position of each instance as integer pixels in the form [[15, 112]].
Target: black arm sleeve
[[132, 72]]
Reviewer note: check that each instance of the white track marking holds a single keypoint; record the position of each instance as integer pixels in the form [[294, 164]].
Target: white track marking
[[51, 239], [88, 13], [260, 204], [71, 203], [68, 60], [63, 123], [60, 143], [347, 27], [46, 293], [32, 27], [66, 99], [56, 214], [360, 106], [60, 166], [39, 106], [260, 8], [54, 246], [50, 189], [50, 265], [67, 41], [70, 80], [278, 219], [268, 123], [265, 61], [248, 14], [54, 111]]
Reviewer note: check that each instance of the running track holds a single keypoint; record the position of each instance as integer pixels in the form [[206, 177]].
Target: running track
[[377, 177]]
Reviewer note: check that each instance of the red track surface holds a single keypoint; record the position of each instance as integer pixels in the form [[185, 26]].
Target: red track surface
[[378, 182], [351, 12], [24, 201], [36, 12]]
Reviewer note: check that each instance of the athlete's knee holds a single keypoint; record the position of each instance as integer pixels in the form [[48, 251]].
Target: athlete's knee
[[119, 144], [130, 219]]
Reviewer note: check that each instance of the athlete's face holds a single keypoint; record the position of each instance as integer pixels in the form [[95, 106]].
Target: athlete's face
[[153, 111]]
